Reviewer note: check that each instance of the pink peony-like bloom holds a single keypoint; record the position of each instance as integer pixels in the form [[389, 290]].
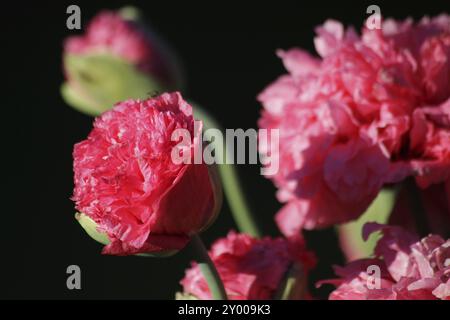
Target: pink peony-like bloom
[[370, 111], [110, 33], [410, 269], [127, 183], [252, 269]]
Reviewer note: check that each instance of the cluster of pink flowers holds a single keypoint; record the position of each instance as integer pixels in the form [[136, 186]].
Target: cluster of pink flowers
[[410, 269], [372, 110], [252, 269]]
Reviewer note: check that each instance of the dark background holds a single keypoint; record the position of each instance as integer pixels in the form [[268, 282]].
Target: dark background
[[228, 53]]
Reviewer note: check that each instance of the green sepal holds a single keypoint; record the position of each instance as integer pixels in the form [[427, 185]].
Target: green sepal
[[164, 254], [98, 81], [184, 296], [91, 229], [350, 234]]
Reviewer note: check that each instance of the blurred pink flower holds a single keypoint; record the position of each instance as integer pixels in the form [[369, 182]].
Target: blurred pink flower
[[410, 268], [111, 34], [251, 268], [372, 110], [128, 184]]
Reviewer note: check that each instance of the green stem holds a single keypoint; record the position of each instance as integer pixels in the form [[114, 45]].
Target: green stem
[[208, 270], [417, 208], [293, 285], [235, 196]]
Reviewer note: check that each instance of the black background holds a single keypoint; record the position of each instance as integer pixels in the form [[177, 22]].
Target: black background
[[228, 52]]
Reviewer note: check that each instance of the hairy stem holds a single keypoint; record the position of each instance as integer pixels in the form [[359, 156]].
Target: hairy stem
[[233, 191]]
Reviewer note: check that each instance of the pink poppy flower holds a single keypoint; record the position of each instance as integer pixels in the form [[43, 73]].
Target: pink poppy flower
[[127, 182], [116, 58], [410, 269], [252, 268], [110, 33], [372, 110]]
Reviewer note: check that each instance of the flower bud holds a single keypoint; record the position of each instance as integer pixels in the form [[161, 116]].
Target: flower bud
[[133, 197], [115, 59]]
